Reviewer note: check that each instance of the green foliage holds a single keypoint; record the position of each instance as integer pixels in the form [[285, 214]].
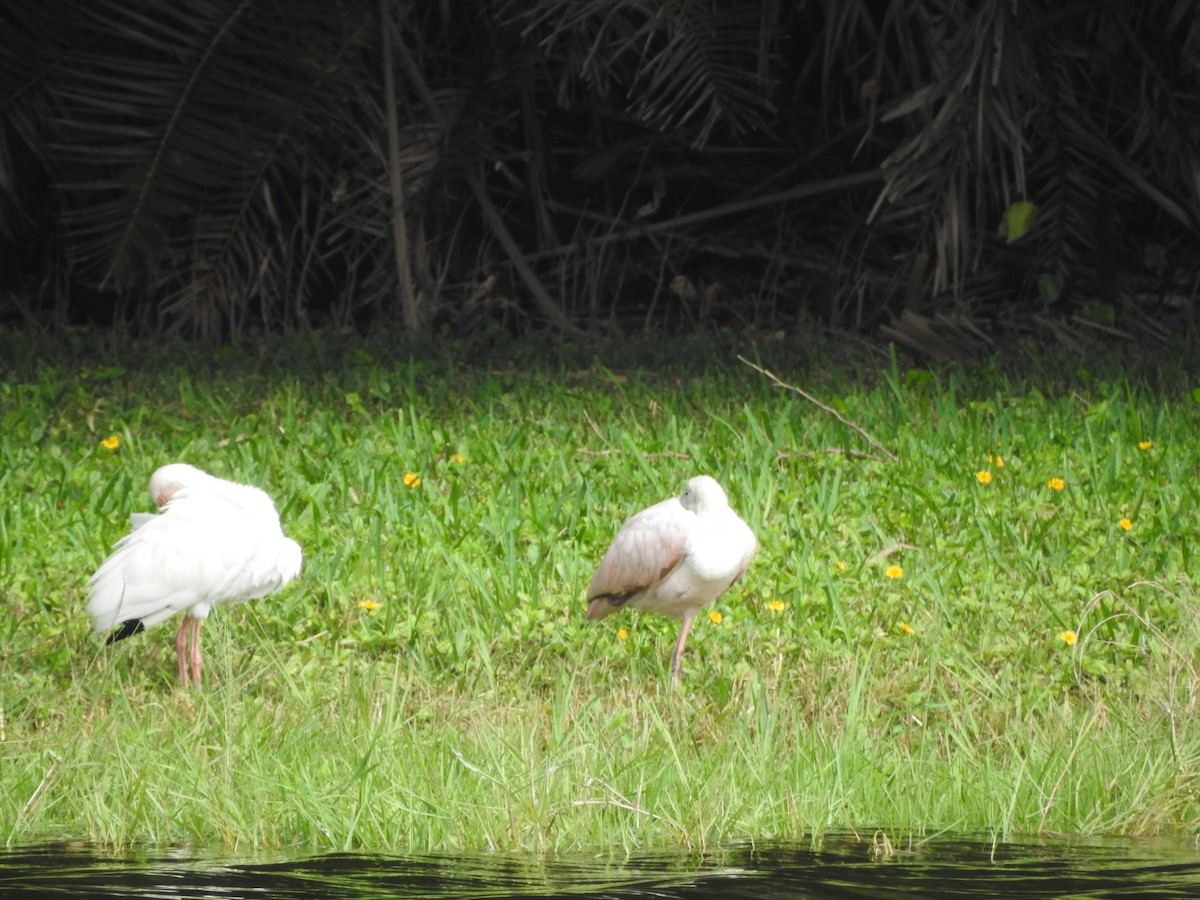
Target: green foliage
[[430, 681], [1017, 220]]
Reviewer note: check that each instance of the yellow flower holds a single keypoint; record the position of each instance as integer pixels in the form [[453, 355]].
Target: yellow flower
[[906, 628], [112, 442], [368, 605], [1056, 484], [983, 476], [999, 461], [457, 458], [894, 572], [622, 634], [1126, 523], [1145, 445], [1067, 637], [412, 479], [776, 606], [716, 617], [841, 565]]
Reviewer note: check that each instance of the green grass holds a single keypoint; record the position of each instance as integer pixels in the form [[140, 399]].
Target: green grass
[[476, 708]]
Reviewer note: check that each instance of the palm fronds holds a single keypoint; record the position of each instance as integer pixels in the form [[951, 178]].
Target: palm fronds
[[227, 163]]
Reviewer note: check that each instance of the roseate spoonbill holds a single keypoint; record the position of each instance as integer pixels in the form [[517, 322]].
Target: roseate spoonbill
[[673, 558], [212, 541]]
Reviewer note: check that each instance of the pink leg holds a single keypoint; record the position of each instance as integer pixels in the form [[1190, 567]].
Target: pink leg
[[677, 656], [181, 639], [196, 623]]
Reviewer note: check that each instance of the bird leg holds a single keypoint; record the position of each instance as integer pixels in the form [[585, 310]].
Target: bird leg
[[181, 637], [677, 655], [196, 625], [187, 651]]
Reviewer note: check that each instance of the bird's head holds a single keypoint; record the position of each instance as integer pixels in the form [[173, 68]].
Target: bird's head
[[170, 479], [702, 494]]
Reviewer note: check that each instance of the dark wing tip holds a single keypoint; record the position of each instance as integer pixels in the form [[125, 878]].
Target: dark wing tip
[[127, 629], [601, 605]]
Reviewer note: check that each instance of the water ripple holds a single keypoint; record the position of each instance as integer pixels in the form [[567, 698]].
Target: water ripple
[[833, 866]]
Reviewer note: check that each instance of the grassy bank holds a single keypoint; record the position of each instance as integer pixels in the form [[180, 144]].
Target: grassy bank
[[996, 631]]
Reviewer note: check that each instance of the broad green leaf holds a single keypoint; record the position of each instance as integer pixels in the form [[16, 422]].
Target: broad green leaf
[[1017, 221]]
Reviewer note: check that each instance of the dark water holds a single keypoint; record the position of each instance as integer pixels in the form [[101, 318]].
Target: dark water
[[834, 866]]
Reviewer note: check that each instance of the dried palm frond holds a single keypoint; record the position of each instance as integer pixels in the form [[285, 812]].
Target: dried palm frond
[[966, 151], [177, 133], [678, 63]]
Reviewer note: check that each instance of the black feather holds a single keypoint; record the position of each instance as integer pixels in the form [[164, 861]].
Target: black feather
[[617, 599], [127, 629]]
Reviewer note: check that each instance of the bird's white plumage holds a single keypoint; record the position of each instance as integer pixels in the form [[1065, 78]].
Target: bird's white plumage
[[214, 541], [674, 557]]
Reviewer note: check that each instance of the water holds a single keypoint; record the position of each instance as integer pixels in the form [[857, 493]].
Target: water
[[835, 866]]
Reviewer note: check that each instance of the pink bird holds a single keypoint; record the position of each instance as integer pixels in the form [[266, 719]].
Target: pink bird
[[213, 541], [674, 558]]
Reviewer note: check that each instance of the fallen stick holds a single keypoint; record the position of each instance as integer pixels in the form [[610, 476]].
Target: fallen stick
[[829, 409]]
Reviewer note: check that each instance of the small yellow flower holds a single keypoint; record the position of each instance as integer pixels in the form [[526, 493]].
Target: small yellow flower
[[1145, 445], [776, 606], [368, 605], [1126, 523], [715, 617], [412, 479], [622, 634], [999, 461], [457, 458], [1056, 484], [112, 442], [906, 628], [983, 476], [841, 565], [1067, 637], [894, 572]]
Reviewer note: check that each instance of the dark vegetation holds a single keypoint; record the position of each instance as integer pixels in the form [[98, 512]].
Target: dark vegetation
[[218, 167]]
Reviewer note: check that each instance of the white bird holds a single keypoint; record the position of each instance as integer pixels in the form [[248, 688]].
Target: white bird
[[674, 558], [213, 541]]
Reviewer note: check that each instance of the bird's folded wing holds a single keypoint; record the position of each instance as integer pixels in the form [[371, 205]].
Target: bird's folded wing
[[644, 552], [198, 550]]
